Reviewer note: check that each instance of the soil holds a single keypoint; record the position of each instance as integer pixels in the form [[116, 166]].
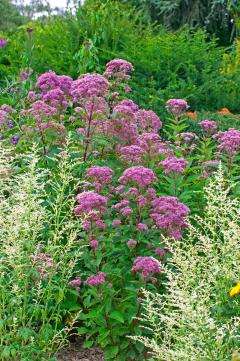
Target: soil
[[74, 352]]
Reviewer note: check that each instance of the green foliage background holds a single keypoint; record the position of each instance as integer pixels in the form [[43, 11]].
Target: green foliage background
[[186, 63]]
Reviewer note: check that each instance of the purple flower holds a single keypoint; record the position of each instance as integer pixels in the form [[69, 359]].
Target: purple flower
[[129, 104], [208, 126], [96, 280], [140, 175], [147, 266], [89, 86], [93, 244], [6, 108], [127, 211], [90, 201], [55, 97], [170, 215], [147, 121], [75, 283], [15, 140], [151, 143], [160, 251], [101, 174], [40, 110], [131, 243], [131, 154], [142, 227], [86, 225], [47, 81], [116, 223], [118, 68], [123, 124], [3, 43], [188, 137], [177, 106], [142, 201], [100, 224], [4, 117], [229, 141], [173, 164], [10, 124]]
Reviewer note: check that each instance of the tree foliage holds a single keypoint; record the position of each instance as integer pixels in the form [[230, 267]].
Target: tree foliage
[[216, 15]]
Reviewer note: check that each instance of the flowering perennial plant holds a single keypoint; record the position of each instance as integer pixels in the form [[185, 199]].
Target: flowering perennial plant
[[118, 68], [3, 43], [170, 215], [208, 126], [177, 106], [90, 202], [139, 175], [173, 164], [229, 142], [147, 266], [203, 268], [147, 121], [125, 190]]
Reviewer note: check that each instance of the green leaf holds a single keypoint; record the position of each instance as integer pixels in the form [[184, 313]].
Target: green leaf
[[116, 315], [111, 351], [87, 344], [82, 330]]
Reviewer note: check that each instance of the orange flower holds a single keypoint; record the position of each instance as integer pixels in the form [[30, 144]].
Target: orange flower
[[235, 290], [224, 111], [192, 115]]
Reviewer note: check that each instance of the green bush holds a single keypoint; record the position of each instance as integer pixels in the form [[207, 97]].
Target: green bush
[[182, 64]]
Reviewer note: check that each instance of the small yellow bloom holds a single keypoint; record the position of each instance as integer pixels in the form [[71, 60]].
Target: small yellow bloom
[[235, 290], [236, 356]]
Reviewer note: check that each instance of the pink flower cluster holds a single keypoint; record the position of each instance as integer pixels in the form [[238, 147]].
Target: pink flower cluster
[[56, 98], [3, 43], [118, 68], [229, 141], [57, 127], [131, 154], [208, 126], [174, 164], [170, 215], [6, 108], [44, 264], [147, 266], [188, 137], [89, 86], [51, 80], [96, 280], [138, 174], [4, 117], [129, 104], [123, 123], [101, 175], [151, 143], [177, 106], [75, 283], [147, 121], [41, 111], [90, 202]]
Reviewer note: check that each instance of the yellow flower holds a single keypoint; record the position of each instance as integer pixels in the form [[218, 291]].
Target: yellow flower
[[235, 290], [236, 356]]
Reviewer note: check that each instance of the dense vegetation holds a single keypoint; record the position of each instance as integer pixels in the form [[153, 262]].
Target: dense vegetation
[[185, 63], [119, 185]]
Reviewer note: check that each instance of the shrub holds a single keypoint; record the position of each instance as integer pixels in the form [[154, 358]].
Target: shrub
[[196, 318], [36, 265]]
